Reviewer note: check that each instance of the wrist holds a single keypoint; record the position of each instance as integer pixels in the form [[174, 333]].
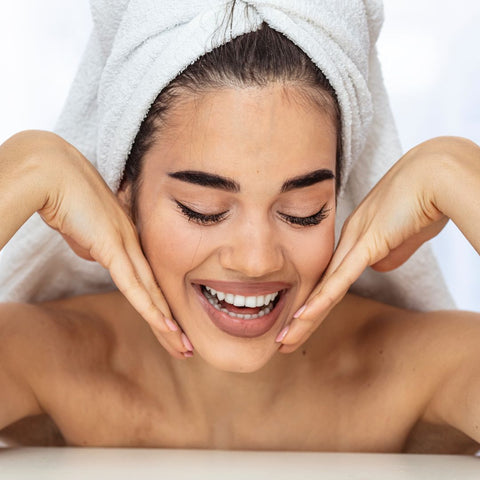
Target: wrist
[[455, 167], [31, 162], [21, 172], [23, 182]]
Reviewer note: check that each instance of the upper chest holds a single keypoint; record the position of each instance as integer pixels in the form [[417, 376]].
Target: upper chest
[[367, 397], [363, 410]]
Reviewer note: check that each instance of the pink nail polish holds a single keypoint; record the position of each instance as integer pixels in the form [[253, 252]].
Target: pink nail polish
[[187, 343], [282, 334], [299, 311], [188, 354], [171, 326]]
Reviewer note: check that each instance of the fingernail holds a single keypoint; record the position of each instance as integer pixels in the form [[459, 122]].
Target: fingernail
[[188, 354], [299, 311], [171, 326], [186, 342], [282, 334]]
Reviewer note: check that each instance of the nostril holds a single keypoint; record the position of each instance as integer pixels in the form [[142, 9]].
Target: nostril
[[252, 262]]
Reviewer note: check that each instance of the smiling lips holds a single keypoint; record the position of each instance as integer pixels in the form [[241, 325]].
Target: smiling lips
[[234, 310]]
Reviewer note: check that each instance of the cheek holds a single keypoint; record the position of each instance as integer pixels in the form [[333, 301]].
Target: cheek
[[313, 253], [172, 250]]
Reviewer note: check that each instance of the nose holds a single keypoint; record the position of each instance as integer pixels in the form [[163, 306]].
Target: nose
[[253, 250]]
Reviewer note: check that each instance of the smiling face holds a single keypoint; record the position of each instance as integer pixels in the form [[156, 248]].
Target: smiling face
[[236, 213]]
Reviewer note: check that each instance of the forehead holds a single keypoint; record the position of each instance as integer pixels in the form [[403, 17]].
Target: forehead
[[265, 129]]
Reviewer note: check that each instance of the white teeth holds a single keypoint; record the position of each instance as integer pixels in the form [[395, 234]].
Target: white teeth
[[260, 301], [251, 302], [242, 301], [239, 301], [243, 316]]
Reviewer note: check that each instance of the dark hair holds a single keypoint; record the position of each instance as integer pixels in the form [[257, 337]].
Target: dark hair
[[254, 59]]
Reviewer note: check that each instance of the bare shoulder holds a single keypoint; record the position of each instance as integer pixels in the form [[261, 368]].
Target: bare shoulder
[[18, 397], [448, 357], [29, 360], [437, 340], [405, 330], [433, 358], [423, 350], [454, 350], [41, 343], [27, 331]]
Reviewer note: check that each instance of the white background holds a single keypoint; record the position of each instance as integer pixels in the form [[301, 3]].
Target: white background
[[431, 63]]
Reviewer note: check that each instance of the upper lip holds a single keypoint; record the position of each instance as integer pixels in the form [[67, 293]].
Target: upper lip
[[244, 288]]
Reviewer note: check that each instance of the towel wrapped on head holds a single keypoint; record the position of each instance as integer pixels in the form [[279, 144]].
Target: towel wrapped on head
[[138, 46]]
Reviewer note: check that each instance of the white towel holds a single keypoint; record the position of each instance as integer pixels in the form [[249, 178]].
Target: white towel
[[138, 46]]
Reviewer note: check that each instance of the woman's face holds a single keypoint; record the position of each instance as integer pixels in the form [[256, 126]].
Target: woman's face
[[236, 215]]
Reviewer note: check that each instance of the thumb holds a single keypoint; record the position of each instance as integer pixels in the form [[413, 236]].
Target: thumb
[[78, 249], [399, 255]]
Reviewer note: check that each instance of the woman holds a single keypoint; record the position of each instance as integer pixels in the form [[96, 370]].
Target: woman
[[252, 205]]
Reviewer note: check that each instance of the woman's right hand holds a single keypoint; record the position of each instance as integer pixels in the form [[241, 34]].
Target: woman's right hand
[[433, 182], [52, 177]]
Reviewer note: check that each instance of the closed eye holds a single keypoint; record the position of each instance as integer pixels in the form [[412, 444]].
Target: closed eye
[[310, 221], [201, 218], [210, 219]]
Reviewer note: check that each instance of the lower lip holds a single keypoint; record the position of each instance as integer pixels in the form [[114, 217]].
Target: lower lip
[[239, 327]]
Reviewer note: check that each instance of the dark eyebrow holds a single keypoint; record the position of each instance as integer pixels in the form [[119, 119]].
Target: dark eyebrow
[[216, 181], [206, 180], [308, 179]]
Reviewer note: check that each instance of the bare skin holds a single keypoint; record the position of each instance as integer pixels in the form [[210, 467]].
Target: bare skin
[[370, 378], [93, 365], [436, 181]]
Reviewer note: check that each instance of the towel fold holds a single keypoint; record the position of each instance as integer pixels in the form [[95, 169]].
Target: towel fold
[[138, 46]]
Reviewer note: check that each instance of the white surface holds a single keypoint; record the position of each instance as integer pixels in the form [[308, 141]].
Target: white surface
[[428, 49], [119, 464]]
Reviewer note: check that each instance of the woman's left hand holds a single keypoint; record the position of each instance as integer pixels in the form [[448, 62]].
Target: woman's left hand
[[397, 216]]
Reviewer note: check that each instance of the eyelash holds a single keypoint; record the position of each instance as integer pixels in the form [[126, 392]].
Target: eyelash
[[200, 218], [203, 219], [310, 221]]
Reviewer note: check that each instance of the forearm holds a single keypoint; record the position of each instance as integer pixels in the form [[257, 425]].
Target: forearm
[[22, 184], [457, 186]]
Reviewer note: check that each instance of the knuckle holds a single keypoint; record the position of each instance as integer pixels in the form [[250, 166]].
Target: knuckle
[[327, 298]]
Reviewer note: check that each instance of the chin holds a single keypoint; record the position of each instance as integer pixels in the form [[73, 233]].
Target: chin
[[241, 359]]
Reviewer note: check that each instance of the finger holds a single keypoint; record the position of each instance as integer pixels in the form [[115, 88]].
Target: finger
[[345, 245], [287, 348], [129, 283], [329, 293], [133, 276], [354, 234], [78, 249], [343, 248], [399, 255], [293, 347], [181, 352], [134, 291], [131, 253], [174, 336], [145, 275], [174, 342], [333, 288]]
